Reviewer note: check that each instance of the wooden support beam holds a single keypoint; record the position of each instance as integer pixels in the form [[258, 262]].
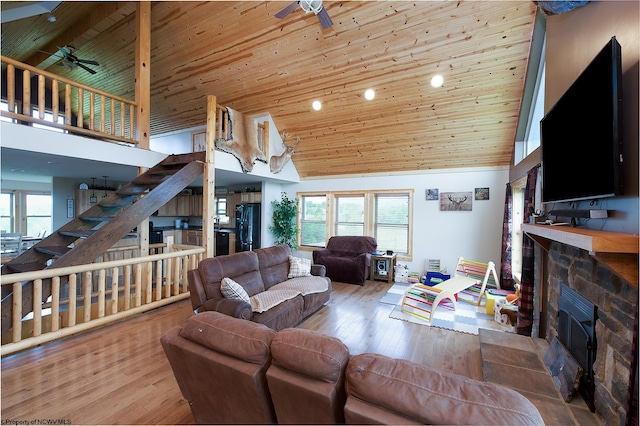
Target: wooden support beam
[[209, 181]]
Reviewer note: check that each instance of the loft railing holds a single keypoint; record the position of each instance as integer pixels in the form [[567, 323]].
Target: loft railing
[[89, 296], [87, 111]]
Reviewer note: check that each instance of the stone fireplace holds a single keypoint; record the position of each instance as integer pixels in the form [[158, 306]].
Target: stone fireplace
[[615, 302]]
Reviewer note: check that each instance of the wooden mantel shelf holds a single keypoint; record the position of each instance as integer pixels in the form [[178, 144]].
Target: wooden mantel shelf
[[617, 251]]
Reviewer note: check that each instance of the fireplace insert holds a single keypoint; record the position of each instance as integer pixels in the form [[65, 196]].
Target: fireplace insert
[[577, 331]]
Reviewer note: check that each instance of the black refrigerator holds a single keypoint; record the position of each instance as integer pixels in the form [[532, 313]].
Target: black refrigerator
[[247, 227]]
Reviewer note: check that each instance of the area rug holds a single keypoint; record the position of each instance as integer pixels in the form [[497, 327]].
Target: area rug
[[395, 293], [466, 318]]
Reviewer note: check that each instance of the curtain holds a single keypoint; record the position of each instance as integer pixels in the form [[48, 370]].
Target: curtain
[[526, 308], [506, 274]]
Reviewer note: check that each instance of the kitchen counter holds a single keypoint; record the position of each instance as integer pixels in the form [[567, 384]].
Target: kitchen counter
[[191, 228]]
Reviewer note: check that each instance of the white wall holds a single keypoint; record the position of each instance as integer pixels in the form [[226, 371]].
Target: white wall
[[443, 235]]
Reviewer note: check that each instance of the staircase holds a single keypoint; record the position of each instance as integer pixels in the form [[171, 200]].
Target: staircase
[[92, 233]]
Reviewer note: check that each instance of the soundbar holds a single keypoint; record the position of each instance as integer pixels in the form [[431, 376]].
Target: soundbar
[[591, 214]]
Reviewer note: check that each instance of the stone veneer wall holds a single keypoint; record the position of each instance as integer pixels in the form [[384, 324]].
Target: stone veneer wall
[[617, 303]]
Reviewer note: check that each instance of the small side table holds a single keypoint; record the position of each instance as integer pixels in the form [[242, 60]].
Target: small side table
[[383, 267]]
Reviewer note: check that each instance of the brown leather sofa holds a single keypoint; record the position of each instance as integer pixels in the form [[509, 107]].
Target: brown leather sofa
[[347, 258], [257, 271], [221, 365]]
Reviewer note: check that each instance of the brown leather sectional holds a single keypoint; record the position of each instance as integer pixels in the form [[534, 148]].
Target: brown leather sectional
[[256, 271], [233, 371]]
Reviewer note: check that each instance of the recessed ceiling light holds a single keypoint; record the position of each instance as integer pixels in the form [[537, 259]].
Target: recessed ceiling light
[[437, 80], [369, 94], [316, 105]]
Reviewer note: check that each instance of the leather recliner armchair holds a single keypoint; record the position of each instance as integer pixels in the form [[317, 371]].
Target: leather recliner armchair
[[220, 364], [347, 258], [306, 377]]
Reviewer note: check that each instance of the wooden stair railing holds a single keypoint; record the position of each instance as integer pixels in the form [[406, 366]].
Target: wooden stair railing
[[93, 232]]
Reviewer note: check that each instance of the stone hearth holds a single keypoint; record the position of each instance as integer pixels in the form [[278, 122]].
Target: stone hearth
[[616, 300]]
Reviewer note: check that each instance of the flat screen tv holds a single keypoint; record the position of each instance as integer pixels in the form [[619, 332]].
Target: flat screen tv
[[581, 136]]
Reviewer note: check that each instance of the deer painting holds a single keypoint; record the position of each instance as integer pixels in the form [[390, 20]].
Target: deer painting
[[277, 162], [455, 201]]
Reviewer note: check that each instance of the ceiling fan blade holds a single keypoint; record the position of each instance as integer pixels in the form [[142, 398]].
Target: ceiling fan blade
[[86, 68], [287, 10], [325, 19], [63, 51], [87, 61]]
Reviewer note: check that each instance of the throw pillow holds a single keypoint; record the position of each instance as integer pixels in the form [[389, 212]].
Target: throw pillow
[[299, 267], [232, 290]]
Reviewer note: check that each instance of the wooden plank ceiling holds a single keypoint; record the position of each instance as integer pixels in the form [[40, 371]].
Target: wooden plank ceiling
[[255, 63]]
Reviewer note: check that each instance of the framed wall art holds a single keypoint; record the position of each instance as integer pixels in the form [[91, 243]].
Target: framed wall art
[[431, 194], [456, 201], [199, 141], [482, 193]]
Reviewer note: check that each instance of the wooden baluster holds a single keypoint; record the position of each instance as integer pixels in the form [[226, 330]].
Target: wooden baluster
[[102, 113], [132, 122], [16, 319], [138, 282], [167, 277], [113, 117], [148, 295], [159, 279], [26, 92], [185, 263], [177, 273], [55, 100], [41, 97], [67, 104], [86, 284], [92, 110], [80, 107], [114, 290], [11, 87], [102, 284], [126, 281], [122, 118], [37, 307], [73, 290], [55, 303]]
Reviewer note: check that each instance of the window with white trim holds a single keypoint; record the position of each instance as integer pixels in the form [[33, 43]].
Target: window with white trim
[[391, 229], [313, 220], [384, 215], [349, 215]]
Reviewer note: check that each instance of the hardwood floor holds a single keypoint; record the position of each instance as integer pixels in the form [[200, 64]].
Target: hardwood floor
[[119, 374]]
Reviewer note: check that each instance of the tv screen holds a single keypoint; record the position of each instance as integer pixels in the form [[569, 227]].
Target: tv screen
[[581, 136]]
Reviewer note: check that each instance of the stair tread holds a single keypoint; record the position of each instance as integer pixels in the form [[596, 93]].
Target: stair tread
[[80, 233], [132, 191], [55, 250], [26, 267], [97, 218]]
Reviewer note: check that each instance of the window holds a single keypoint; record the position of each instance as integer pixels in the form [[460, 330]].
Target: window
[[6, 212], [392, 222], [532, 109], [313, 220], [384, 215], [221, 210], [38, 209], [28, 213], [349, 215]]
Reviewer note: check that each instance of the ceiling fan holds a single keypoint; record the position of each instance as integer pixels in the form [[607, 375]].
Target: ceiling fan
[[71, 61], [308, 6]]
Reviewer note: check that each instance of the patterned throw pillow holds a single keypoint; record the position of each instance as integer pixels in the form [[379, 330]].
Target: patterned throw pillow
[[299, 267], [232, 290]]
